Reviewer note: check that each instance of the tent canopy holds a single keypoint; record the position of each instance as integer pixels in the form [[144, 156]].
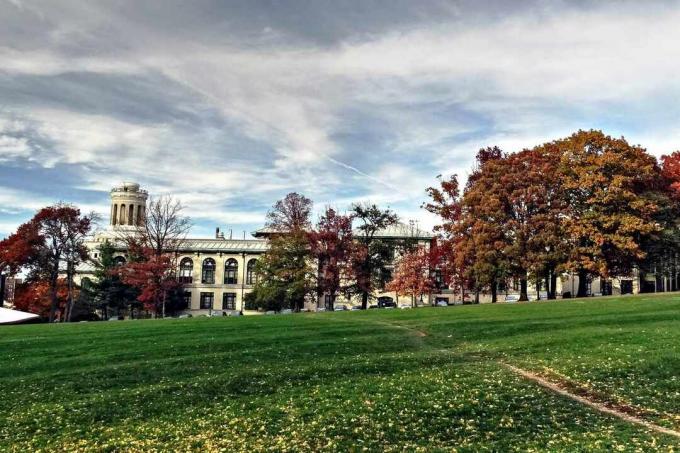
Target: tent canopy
[[8, 316]]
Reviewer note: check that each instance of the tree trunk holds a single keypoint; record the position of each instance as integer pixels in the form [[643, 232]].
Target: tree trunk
[[523, 296], [582, 284], [69, 301], [494, 292], [53, 297], [364, 300], [476, 296], [553, 285]]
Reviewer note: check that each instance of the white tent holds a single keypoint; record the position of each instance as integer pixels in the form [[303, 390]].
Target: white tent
[[8, 316]]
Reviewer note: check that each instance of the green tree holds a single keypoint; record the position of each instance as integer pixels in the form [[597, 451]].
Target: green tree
[[108, 292], [371, 255], [285, 274]]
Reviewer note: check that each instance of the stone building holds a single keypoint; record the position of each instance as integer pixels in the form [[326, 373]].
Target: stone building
[[216, 272]]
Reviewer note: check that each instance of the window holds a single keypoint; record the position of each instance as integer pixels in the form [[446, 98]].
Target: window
[[385, 277], [207, 300], [119, 261], [251, 275], [229, 301], [186, 297], [230, 272], [186, 270], [438, 278], [208, 275]]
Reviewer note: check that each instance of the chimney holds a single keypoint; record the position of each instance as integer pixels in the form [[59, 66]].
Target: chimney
[[217, 233], [231, 231]]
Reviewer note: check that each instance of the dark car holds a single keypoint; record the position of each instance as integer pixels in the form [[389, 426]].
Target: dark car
[[386, 302]]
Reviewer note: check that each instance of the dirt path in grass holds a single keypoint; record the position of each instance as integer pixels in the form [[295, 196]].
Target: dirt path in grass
[[618, 412]]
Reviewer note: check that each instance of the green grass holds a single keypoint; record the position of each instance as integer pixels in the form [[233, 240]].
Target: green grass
[[424, 379]]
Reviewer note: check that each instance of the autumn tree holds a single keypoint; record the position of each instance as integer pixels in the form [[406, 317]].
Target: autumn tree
[[36, 297], [292, 213], [52, 241], [153, 247], [371, 255], [331, 244], [412, 275], [609, 187]]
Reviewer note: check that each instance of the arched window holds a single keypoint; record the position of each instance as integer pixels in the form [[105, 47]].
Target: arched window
[[251, 276], [186, 270], [208, 275], [231, 272], [119, 260]]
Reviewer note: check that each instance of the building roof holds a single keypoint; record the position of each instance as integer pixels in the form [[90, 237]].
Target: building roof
[[224, 245], [401, 231]]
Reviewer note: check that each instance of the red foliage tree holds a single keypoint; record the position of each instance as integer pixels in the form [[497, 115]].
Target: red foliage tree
[[51, 239], [670, 169], [154, 276], [412, 275], [36, 297], [332, 244]]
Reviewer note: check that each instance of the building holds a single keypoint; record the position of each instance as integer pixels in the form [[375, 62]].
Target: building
[[216, 272]]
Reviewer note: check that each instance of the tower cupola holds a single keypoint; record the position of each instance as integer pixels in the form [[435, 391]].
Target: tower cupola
[[128, 205]]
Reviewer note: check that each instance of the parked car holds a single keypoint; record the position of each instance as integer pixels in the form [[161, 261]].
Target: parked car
[[512, 298], [441, 303], [215, 314], [320, 309], [286, 311], [355, 308], [386, 302], [270, 312], [404, 306], [372, 306], [340, 308]]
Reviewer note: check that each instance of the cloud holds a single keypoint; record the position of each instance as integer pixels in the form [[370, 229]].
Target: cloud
[[229, 108]]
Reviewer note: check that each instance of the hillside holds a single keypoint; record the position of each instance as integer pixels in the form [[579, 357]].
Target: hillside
[[428, 378]]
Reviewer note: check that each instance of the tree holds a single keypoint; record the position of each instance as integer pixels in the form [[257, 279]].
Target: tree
[[153, 248], [412, 276], [36, 297], [610, 190], [53, 240], [285, 272], [155, 279], [371, 255], [108, 290], [447, 204], [292, 213], [331, 244]]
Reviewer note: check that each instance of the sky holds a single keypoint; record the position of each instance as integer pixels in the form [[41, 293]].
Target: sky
[[228, 105]]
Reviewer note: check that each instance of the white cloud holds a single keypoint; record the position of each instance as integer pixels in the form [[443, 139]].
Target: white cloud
[[440, 92]]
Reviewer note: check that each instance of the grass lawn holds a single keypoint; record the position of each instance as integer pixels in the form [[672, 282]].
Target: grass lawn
[[424, 379]]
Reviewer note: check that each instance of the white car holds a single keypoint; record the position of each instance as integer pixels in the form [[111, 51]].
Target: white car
[[320, 309], [441, 303], [512, 298], [404, 306], [286, 311], [339, 308]]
